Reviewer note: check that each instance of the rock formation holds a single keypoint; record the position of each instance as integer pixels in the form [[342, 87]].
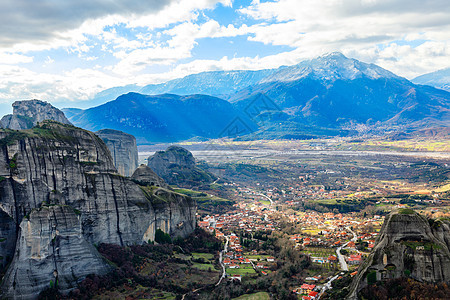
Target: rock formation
[[28, 113], [123, 150], [51, 250], [408, 245], [177, 166], [145, 176], [59, 194], [175, 213]]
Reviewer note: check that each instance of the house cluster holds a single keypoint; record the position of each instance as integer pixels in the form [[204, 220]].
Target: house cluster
[[234, 257], [243, 217], [354, 259], [309, 291]]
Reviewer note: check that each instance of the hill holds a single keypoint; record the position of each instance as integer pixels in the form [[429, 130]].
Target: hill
[[162, 118]]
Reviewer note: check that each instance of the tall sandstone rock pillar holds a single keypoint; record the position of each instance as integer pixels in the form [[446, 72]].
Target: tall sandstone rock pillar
[[123, 150]]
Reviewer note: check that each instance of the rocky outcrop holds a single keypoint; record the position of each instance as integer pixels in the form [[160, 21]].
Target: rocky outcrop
[[51, 250], [60, 165], [145, 176], [177, 166], [408, 245], [175, 213], [123, 150], [28, 113]]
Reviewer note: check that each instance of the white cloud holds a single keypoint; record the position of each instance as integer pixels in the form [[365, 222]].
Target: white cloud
[[14, 58], [79, 84], [118, 42], [358, 27]]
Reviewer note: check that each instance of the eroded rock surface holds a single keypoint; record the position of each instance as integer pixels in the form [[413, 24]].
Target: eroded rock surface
[[408, 245], [51, 250], [177, 166], [123, 150], [56, 165], [28, 113], [145, 176]]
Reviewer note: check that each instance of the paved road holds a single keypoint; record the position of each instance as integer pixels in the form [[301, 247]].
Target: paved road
[[265, 196], [225, 249], [341, 258], [223, 267], [354, 234], [327, 286]]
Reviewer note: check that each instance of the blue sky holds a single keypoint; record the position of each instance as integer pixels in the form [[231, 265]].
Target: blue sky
[[65, 52]]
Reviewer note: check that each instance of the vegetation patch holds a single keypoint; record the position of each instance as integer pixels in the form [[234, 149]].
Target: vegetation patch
[[419, 245], [255, 296], [406, 211]]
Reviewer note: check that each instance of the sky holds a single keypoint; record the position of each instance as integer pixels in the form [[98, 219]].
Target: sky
[[65, 51]]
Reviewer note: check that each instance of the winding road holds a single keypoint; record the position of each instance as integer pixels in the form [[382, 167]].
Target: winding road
[[342, 262], [225, 249], [327, 286], [265, 196]]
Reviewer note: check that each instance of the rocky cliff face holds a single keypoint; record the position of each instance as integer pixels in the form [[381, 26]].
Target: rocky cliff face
[[176, 166], [123, 150], [408, 245], [56, 165], [175, 213], [28, 113], [145, 176], [51, 250]]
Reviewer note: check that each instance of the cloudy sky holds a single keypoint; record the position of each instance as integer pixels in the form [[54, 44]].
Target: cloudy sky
[[67, 51]]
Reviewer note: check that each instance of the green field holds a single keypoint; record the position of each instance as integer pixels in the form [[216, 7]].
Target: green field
[[206, 256], [241, 271], [205, 267], [204, 198], [256, 296], [265, 202]]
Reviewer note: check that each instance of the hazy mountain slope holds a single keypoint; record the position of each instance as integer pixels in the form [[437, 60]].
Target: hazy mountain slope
[[439, 79], [215, 83], [162, 118], [107, 95]]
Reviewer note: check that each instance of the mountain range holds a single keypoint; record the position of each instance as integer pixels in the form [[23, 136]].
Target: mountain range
[[213, 83], [328, 95]]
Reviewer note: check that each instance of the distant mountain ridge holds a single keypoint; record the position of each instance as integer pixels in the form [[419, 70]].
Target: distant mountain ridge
[[439, 79], [162, 118], [326, 96], [212, 83]]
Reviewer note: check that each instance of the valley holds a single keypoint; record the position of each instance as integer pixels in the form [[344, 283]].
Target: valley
[[225, 150], [305, 214]]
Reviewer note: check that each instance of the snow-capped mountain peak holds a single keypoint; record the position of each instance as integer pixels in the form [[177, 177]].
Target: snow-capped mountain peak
[[330, 67]]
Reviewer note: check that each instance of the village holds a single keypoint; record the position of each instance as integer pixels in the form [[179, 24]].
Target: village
[[334, 242]]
